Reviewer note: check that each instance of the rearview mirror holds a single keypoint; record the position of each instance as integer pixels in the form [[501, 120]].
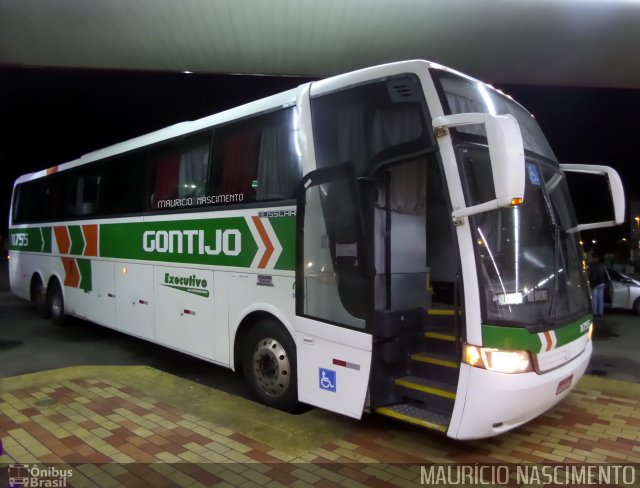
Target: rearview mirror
[[506, 152], [616, 193]]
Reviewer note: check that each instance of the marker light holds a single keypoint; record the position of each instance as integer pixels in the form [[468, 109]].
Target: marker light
[[516, 201], [591, 330], [124, 270], [472, 355], [497, 360]]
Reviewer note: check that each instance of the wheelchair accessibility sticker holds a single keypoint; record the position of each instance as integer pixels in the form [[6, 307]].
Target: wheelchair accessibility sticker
[[327, 380]]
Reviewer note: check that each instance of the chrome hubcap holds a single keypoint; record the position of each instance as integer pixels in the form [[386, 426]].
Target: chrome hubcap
[[56, 305], [271, 367]]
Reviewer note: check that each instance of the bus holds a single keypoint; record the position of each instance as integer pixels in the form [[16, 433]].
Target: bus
[[397, 240]]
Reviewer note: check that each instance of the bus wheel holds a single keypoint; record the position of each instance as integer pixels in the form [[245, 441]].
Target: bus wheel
[[269, 365], [39, 297], [55, 303]]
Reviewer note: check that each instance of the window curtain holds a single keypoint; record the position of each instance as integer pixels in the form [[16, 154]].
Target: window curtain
[[353, 144], [393, 126], [193, 172], [239, 160], [278, 164], [166, 178]]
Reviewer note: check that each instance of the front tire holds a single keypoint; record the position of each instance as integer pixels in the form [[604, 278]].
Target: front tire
[[636, 306], [55, 303], [269, 365]]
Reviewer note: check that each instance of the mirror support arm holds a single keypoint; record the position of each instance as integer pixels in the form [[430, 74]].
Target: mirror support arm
[[615, 188]]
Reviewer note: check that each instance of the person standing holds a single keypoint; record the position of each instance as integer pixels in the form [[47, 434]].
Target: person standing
[[597, 280]]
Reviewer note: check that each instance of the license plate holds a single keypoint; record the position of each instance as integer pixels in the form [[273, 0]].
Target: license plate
[[564, 385]]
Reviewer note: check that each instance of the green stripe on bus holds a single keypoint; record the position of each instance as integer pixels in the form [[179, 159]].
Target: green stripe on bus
[[519, 338], [77, 240], [33, 239], [571, 332], [516, 338], [285, 230], [222, 241], [45, 233], [84, 268]]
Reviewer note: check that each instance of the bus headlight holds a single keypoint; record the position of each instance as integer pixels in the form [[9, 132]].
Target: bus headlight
[[497, 359], [591, 330]]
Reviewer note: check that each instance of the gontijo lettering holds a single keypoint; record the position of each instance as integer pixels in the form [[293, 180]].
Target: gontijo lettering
[[228, 242]]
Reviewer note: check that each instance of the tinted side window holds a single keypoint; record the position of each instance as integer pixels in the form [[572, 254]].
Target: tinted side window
[[256, 159], [371, 124], [122, 185], [179, 172]]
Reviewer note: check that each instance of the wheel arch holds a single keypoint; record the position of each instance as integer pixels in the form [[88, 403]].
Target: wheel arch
[[36, 275], [56, 277], [249, 318]]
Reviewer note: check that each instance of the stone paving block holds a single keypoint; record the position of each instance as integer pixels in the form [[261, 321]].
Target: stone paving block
[[105, 421], [214, 457]]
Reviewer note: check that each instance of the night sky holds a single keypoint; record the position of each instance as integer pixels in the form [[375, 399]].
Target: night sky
[[50, 116]]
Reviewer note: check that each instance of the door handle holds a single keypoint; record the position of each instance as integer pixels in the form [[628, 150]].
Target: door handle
[[307, 340]]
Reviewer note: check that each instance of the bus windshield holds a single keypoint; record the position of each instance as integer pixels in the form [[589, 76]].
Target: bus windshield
[[529, 266]]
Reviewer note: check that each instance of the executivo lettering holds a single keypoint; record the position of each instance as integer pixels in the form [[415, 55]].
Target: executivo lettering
[[189, 284], [227, 242]]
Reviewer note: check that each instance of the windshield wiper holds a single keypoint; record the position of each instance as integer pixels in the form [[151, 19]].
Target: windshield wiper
[[546, 189], [556, 267]]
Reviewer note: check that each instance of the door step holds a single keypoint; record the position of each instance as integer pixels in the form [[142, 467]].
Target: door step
[[437, 359], [417, 416], [440, 336], [423, 385]]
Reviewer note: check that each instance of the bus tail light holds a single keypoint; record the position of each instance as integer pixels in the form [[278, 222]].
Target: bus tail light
[[497, 360]]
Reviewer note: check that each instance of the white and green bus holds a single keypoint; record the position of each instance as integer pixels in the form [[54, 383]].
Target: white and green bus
[[399, 239]]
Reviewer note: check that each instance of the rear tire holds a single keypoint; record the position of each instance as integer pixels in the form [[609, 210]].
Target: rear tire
[[269, 365], [39, 297], [55, 303]]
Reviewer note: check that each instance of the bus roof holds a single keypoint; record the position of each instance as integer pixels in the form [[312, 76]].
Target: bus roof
[[176, 130], [274, 101]]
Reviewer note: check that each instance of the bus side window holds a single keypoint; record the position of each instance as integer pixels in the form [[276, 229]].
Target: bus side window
[[122, 185], [179, 172], [166, 169], [256, 159], [89, 194], [239, 155]]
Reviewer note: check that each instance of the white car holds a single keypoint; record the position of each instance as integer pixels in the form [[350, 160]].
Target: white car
[[622, 291]]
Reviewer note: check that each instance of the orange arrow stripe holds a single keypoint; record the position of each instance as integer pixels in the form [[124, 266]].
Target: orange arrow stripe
[[547, 336], [72, 275], [267, 242], [91, 240], [62, 239]]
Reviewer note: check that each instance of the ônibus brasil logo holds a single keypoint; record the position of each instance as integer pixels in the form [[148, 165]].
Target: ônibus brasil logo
[[34, 476]]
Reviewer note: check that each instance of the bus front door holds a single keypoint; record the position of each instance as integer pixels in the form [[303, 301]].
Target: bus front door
[[332, 293]]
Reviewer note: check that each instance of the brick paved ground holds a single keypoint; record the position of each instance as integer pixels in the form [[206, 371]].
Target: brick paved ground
[[96, 418]]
